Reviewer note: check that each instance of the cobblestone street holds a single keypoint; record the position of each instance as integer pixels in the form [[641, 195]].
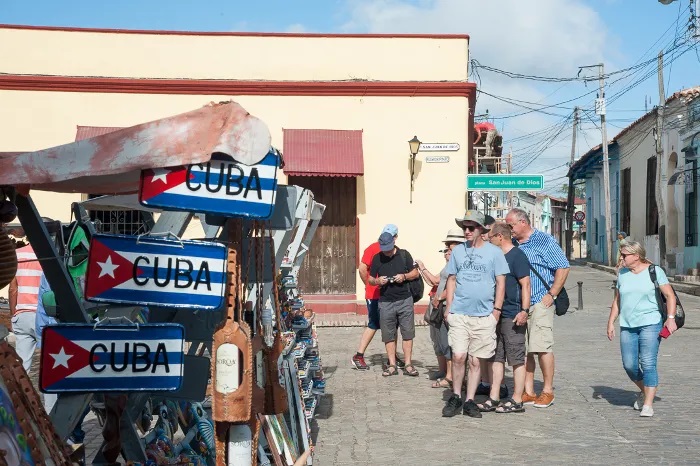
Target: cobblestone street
[[368, 419]]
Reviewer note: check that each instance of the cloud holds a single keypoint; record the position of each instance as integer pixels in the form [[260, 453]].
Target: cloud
[[546, 37], [296, 27]]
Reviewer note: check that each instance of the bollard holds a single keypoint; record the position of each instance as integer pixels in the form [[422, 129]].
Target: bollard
[[580, 296]]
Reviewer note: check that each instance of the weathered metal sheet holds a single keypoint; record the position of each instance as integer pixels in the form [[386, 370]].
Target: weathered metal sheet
[[156, 271], [219, 187], [112, 163], [87, 358]]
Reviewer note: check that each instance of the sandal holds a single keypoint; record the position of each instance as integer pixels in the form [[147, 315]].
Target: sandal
[[442, 383], [488, 405], [510, 406], [411, 372], [388, 372]]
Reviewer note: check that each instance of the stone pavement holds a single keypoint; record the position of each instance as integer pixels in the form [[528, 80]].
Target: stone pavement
[[367, 419]]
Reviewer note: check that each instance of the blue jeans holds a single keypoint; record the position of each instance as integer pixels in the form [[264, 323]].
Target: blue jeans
[[640, 348]]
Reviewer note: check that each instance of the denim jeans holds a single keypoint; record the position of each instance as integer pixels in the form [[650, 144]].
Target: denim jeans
[[640, 347]]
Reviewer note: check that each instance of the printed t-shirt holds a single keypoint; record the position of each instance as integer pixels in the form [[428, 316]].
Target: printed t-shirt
[[638, 306], [519, 267], [371, 291], [475, 270], [385, 266]]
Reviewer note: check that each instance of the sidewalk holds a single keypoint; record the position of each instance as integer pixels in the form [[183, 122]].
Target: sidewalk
[[681, 287]]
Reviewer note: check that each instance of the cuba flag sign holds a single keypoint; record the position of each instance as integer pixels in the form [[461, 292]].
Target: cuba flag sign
[[156, 271], [111, 358], [221, 187]]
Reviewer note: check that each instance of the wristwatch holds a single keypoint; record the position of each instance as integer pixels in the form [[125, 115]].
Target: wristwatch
[[525, 310], [552, 295], [671, 317]]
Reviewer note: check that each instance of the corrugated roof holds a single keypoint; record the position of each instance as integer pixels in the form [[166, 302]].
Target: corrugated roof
[[87, 132], [323, 152]]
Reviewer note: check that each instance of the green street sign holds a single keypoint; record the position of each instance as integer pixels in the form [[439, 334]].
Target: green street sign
[[498, 182]]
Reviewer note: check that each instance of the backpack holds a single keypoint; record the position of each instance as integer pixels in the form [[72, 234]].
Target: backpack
[[661, 300], [416, 286]]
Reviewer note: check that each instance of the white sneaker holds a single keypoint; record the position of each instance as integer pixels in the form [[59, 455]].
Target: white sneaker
[[647, 411], [639, 402]]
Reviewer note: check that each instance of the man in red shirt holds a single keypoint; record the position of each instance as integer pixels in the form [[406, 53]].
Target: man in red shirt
[[372, 298], [491, 132]]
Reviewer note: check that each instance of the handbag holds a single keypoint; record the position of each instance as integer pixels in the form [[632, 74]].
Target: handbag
[[561, 303], [436, 314], [661, 300]]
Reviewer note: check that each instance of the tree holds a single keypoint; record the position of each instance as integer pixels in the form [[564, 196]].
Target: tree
[[579, 190]]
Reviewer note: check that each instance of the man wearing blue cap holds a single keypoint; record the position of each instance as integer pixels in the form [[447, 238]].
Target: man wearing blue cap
[[391, 270], [372, 299]]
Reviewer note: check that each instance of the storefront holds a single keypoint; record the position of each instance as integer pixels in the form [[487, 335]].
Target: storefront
[[341, 108]]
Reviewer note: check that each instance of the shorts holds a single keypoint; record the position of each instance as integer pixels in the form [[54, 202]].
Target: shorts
[[441, 344], [394, 315], [473, 335], [373, 314], [510, 342], [540, 329]]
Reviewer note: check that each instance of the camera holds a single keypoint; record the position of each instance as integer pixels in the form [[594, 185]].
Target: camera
[[390, 279]]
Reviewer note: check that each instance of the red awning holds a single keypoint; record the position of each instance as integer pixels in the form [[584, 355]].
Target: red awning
[[323, 152]]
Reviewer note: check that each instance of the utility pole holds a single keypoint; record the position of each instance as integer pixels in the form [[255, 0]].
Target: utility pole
[[600, 110], [659, 162], [571, 195], [606, 167]]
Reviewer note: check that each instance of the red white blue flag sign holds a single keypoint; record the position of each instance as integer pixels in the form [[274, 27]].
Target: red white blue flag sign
[[156, 271], [219, 187], [111, 358]]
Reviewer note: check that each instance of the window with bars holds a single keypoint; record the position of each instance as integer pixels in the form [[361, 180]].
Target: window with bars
[[626, 199], [652, 223]]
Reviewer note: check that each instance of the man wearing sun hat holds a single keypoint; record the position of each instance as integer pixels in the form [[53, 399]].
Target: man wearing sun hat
[[438, 335], [475, 294]]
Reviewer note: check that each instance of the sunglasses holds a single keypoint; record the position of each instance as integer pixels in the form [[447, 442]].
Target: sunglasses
[[471, 228], [623, 255]]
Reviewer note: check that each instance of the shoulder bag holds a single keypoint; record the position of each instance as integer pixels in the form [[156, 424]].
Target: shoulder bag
[[661, 300], [561, 304]]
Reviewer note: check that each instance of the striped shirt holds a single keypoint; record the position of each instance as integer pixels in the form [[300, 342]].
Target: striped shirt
[[28, 278], [545, 256]]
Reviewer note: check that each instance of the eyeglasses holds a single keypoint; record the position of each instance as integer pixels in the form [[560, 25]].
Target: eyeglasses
[[471, 228], [623, 255]]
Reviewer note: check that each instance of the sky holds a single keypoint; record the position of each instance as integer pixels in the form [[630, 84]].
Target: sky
[[552, 41]]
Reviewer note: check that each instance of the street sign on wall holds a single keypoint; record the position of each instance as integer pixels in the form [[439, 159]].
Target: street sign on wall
[[437, 159], [500, 182], [87, 358], [156, 271], [218, 187], [438, 147]]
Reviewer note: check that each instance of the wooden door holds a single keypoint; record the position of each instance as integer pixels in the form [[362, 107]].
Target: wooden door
[[330, 264]]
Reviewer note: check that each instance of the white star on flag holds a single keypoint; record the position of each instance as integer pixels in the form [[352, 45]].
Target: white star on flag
[[162, 177], [60, 358], [107, 267]]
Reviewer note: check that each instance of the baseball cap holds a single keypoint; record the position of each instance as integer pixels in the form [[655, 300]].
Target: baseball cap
[[386, 242], [392, 229]]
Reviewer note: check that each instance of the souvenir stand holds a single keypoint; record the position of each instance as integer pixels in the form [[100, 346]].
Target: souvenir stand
[[218, 311]]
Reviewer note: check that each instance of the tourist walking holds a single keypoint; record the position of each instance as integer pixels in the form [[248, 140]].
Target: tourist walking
[[641, 321]]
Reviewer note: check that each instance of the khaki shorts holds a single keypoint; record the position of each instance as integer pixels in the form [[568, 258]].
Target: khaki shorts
[[475, 336], [540, 329]]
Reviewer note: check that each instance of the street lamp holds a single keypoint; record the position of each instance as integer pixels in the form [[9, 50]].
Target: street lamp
[[414, 146]]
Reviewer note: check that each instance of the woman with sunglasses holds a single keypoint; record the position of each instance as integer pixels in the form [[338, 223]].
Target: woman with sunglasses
[[640, 321]]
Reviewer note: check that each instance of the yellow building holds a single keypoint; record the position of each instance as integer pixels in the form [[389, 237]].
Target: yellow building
[[341, 108]]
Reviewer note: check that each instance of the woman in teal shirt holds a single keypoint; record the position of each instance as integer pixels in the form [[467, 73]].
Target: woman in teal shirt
[[640, 321]]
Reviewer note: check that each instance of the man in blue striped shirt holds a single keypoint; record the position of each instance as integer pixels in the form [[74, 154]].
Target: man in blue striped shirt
[[547, 258]]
